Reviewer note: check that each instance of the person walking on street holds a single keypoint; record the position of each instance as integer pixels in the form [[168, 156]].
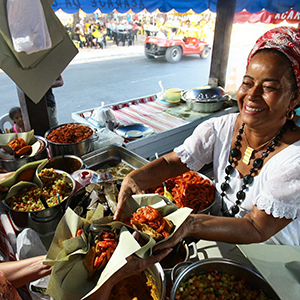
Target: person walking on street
[[51, 103]]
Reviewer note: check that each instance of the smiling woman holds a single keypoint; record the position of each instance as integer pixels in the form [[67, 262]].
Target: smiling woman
[[271, 83], [255, 154]]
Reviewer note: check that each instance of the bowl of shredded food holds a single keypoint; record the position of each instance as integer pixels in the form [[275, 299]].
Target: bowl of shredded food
[[35, 207], [71, 138], [190, 189], [220, 278]]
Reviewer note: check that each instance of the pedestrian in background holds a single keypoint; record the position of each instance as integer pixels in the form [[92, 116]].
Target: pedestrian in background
[[51, 103]]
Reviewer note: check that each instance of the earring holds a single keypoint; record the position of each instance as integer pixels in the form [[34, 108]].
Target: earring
[[290, 114]]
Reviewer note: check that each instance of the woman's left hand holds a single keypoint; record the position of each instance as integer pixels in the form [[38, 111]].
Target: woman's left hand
[[182, 232], [136, 265]]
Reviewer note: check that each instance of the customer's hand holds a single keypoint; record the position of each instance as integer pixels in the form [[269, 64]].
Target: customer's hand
[[2, 177], [5, 175], [133, 266], [2, 170]]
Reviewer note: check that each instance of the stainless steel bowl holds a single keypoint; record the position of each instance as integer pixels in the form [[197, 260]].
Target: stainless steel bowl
[[78, 148], [205, 99], [157, 271], [183, 252], [15, 164], [239, 270], [67, 163], [44, 221], [155, 281]]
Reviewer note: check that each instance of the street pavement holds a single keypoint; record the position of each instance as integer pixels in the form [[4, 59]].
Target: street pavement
[[112, 51]]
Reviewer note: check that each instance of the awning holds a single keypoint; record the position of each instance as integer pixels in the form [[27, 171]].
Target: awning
[[198, 6], [291, 16]]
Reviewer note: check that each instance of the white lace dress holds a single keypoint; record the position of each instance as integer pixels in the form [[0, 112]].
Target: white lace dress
[[276, 189]]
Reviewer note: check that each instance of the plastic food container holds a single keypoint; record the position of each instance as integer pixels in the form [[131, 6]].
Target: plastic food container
[[83, 177], [173, 95]]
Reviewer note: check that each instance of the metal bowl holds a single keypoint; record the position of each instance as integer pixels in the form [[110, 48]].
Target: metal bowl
[[184, 251], [44, 221], [159, 275], [239, 270], [134, 131], [15, 164], [67, 163], [78, 148], [155, 276], [205, 99]]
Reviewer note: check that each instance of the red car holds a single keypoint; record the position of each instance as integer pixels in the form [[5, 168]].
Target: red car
[[173, 49]]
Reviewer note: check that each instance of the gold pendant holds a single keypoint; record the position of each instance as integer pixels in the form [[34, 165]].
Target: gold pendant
[[247, 155]]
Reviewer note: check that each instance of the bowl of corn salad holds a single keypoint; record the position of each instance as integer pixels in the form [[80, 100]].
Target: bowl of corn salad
[[220, 278], [26, 208]]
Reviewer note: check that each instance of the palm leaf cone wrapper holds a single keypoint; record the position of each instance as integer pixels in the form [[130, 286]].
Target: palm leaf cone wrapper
[[28, 137], [69, 279]]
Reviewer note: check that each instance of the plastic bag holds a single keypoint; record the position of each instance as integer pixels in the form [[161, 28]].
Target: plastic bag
[[28, 26], [104, 117], [29, 245], [107, 138]]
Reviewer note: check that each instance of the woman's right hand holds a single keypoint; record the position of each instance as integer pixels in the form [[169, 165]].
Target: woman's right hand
[[129, 187], [151, 175]]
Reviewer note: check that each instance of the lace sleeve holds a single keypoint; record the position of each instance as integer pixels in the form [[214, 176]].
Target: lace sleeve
[[197, 149], [281, 193]]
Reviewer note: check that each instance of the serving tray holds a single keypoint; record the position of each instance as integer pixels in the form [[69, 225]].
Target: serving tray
[[111, 156]]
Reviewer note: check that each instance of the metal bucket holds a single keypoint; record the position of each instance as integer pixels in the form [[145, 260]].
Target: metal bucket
[[183, 252], [159, 275], [155, 280]]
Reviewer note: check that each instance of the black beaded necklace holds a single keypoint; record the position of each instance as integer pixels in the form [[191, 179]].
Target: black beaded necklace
[[235, 155]]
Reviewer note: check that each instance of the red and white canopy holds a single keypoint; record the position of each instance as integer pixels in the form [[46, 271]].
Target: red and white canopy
[[264, 16]]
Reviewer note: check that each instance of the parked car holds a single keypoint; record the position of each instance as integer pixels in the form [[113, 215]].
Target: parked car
[[173, 49]]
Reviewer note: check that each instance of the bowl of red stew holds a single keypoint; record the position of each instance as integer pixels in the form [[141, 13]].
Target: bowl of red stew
[[71, 138]]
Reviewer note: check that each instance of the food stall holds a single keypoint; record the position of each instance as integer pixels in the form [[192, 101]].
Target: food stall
[[248, 256], [161, 135]]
